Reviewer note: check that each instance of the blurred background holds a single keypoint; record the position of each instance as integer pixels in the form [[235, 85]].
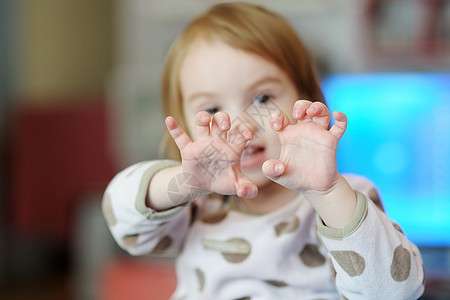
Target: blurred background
[[79, 101]]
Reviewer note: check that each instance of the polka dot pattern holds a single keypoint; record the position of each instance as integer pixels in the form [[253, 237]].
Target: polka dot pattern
[[162, 245], [201, 279], [423, 270], [375, 197], [237, 257], [351, 262], [287, 227], [397, 227], [214, 218], [108, 210], [276, 283], [401, 264], [311, 256], [333, 271], [130, 240]]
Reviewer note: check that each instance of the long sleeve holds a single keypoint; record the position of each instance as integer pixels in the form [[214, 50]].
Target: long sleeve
[[371, 256], [135, 227]]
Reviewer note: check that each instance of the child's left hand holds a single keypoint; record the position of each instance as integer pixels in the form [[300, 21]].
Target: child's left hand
[[307, 159]]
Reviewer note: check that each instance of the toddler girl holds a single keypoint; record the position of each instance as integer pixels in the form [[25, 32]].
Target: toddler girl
[[251, 199]]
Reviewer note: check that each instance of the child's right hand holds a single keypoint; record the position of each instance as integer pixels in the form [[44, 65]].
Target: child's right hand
[[215, 158]]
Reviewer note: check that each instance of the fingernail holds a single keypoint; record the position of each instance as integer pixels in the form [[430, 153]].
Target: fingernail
[[296, 113], [225, 124], [278, 168], [276, 125]]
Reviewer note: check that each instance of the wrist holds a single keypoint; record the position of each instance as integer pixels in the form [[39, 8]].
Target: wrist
[[173, 187], [336, 205]]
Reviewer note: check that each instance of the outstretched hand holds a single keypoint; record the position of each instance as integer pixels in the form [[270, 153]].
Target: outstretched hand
[[307, 159], [214, 157]]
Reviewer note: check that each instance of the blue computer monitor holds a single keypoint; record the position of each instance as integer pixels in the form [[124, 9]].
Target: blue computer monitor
[[398, 136]]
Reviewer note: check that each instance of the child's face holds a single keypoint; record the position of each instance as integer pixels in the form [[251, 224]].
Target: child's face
[[217, 77]]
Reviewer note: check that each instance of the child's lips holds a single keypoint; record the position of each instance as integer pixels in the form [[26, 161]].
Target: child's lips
[[253, 156]]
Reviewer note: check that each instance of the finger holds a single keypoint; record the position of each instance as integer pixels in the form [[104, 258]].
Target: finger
[[319, 113], [245, 188], [220, 124], [202, 123], [299, 110], [178, 134], [340, 124], [273, 169], [240, 134], [279, 122]]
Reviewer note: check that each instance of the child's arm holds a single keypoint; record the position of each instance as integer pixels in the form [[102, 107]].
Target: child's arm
[[158, 192], [136, 227], [143, 204], [308, 161], [372, 258]]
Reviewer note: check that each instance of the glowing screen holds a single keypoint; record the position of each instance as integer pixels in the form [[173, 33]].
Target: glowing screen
[[399, 137]]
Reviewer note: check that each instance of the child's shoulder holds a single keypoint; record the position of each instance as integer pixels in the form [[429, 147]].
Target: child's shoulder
[[363, 185], [358, 182]]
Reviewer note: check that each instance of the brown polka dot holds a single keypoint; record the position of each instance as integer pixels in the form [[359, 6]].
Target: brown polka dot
[[401, 264], [397, 227], [162, 245], [375, 197], [201, 279], [333, 271], [423, 269], [311, 256], [162, 224], [237, 257], [351, 262], [130, 240], [287, 227], [276, 283], [214, 218], [108, 210]]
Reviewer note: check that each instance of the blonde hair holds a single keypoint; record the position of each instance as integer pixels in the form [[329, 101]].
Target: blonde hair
[[246, 27]]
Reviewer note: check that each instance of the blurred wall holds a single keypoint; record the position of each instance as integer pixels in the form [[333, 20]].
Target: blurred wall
[[55, 58], [64, 48]]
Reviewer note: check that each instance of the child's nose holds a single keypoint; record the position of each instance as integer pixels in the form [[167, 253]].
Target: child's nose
[[258, 116]]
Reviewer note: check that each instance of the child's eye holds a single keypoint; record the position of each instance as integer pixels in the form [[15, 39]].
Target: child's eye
[[212, 110], [261, 98]]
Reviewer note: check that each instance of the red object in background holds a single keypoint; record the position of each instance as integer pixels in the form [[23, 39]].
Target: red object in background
[[125, 279], [58, 154]]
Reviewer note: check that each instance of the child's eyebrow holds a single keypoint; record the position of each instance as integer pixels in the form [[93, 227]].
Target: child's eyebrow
[[200, 95], [264, 80]]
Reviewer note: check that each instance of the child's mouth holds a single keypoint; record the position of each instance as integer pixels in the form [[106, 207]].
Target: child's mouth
[[253, 156]]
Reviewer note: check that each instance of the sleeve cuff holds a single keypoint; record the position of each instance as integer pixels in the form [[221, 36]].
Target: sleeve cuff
[[358, 217], [143, 190]]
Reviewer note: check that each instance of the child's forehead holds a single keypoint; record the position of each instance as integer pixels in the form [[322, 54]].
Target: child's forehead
[[216, 60], [204, 51]]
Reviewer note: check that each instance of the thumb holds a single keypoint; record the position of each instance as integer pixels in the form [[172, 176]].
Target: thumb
[[273, 169], [245, 188]]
